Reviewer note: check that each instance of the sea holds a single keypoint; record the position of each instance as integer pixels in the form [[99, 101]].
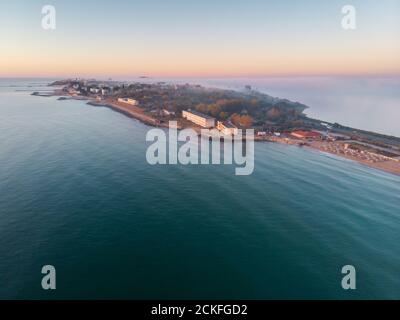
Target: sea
[[77, 193]]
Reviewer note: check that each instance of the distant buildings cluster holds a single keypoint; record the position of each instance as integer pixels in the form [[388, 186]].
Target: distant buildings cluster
[[86, 87]]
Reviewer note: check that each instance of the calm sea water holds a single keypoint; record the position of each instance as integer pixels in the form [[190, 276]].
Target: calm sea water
[[76, 192]]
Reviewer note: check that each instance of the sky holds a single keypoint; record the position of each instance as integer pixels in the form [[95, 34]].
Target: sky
[[208, 38]]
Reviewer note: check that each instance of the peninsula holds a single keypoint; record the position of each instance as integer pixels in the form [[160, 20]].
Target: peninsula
[[273, 119]]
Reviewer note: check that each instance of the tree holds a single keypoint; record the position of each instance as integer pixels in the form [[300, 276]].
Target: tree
[[246, 121], [202, 108], [274, 113], [214, 109], [235, 118], [224, 115]]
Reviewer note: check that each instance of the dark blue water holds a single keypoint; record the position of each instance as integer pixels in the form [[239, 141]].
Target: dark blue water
[[76, 192]]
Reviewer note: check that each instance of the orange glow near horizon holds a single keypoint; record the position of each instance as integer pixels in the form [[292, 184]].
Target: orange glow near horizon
[[238, 65]]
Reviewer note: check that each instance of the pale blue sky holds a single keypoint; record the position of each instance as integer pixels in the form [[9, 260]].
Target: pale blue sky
[[194, 37]]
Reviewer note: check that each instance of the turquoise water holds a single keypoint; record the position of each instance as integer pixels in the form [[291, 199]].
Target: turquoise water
[[76, 192]]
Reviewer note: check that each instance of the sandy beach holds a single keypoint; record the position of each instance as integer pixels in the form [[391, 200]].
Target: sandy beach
[[128, 110], [390, 166]]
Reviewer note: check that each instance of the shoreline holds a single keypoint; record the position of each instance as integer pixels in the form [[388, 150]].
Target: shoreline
[[127, 110], [389, 166]]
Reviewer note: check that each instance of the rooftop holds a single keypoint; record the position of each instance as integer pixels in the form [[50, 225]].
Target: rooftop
[[307, 134], [228, 124], [199, 114]]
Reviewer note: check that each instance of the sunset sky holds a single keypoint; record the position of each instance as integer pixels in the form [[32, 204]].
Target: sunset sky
[[199, 38]]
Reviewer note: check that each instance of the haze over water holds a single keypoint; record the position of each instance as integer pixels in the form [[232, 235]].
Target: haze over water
[[77, 193]]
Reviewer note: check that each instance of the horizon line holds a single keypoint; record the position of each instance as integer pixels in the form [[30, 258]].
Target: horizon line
[[197, 76]]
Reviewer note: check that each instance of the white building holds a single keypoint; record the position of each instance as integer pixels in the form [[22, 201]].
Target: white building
[[168, 112], [329, 127], [227, 128], [202, 120], [105, 91], [94, 90], [337, 136], [130, 101]]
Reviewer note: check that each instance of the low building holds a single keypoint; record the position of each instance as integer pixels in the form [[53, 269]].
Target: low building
[[338, 136], [326, 125], [227, 128], [105, 91], [198, 118], [261, 134], [306, 134], [74, 92], [168, 112], [94, 90], [130, 101]]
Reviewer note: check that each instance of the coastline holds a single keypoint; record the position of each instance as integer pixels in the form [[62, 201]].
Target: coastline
[[389, 166], [127, 110], [386, 166]]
